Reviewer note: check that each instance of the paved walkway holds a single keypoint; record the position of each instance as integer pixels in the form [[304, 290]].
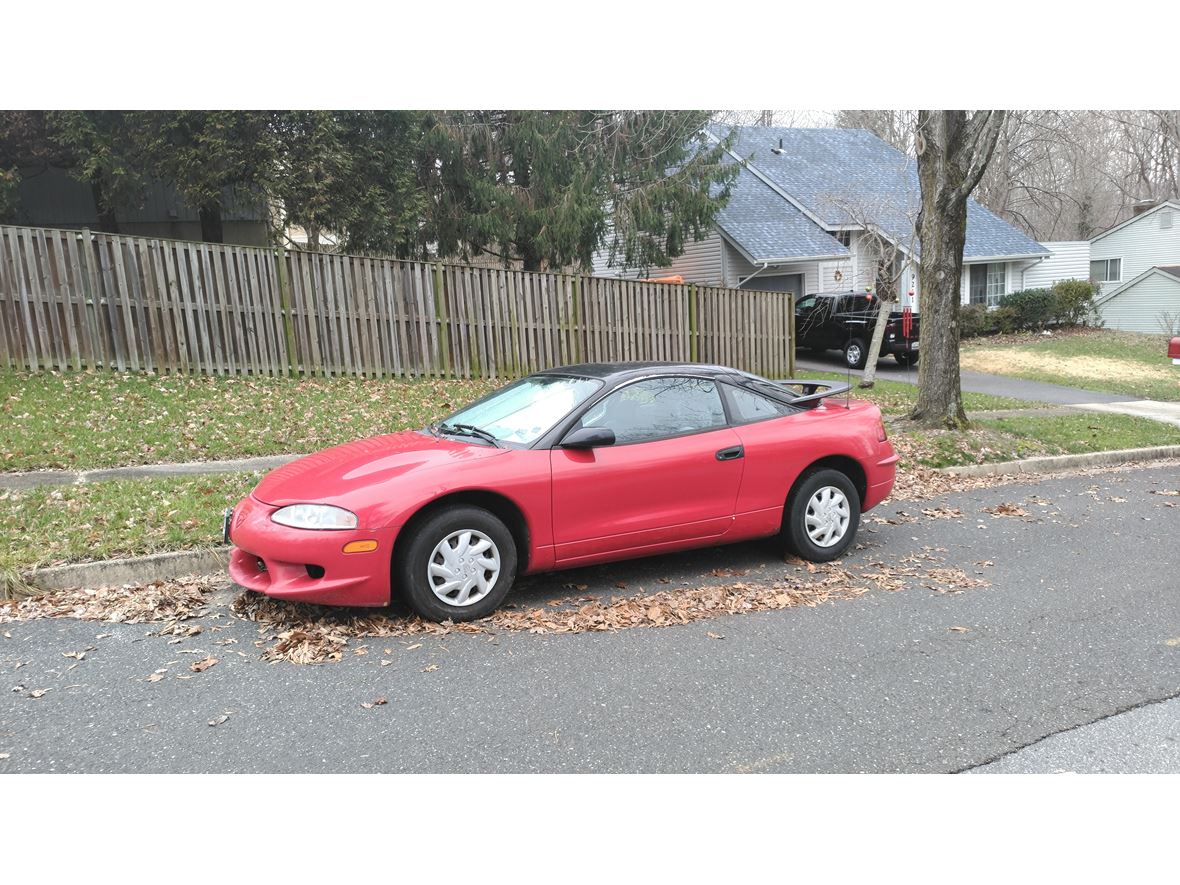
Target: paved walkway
[[976, 382], [33, 478]]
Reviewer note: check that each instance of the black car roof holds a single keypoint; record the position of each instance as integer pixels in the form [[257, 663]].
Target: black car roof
[[611, 372]]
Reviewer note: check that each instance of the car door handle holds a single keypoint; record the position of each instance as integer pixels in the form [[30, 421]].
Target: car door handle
[[731, 454]]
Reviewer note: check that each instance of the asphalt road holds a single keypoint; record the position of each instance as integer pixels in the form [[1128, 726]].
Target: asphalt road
[[971, 382], [1080, 621]]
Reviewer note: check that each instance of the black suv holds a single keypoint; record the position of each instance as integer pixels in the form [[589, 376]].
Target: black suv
[[844, 321]]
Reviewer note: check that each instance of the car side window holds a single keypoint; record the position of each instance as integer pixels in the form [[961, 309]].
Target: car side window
[[658, 408], [748, 406], [805, 304]]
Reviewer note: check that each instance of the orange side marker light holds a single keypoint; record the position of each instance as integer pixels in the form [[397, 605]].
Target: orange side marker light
[[360, 546]]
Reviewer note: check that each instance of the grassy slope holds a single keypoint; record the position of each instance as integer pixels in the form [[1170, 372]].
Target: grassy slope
[[104, 419], [102, 520], [1096, 359]]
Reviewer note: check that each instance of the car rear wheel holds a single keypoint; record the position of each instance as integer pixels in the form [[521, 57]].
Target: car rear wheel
[[906, 359], [822, 516], [458, 564], [855, 354]]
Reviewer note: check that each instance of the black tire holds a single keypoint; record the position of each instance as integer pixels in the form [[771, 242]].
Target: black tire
[[411, 571], [794, 535], [856, 354], [906, 359]]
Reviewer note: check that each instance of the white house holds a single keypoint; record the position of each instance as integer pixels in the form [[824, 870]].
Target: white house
[[1067, 260], [1136, 263], [801, 215]]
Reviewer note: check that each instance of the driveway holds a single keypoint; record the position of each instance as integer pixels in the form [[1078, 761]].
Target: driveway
[[1078, 621]]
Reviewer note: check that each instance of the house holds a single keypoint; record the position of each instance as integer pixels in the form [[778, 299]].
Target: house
[[1136, 264], [822, 210]]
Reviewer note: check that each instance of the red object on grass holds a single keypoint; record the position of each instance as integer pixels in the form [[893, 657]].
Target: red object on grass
[[1174, 349]]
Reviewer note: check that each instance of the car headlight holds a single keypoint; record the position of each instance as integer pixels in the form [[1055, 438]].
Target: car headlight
[[315, 516]]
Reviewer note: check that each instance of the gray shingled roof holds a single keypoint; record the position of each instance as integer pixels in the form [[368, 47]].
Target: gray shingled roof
[[770, 229], [842, 176]]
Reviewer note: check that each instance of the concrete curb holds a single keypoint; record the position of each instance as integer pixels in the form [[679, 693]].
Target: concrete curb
[[134, 570], [1057, 463], [33, 478]]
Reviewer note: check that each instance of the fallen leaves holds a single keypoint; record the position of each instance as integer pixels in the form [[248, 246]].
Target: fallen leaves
[[430, 668], [39, 693], [203, 665], [960, 629], [942, 513], [1006, 509], [168, 601], [219, 720], [379, 702]]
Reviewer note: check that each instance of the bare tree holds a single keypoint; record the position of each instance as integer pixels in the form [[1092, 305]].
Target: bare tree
[[953, 149]]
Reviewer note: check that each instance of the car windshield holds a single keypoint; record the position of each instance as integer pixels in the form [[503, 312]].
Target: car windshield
[[522, 412]]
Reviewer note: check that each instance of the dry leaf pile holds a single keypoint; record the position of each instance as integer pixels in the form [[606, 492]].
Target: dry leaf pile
[[306, 634], [170, 601]]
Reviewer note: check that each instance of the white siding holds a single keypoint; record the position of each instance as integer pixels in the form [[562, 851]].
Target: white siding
[[827, 276], [1137, 308], [700, 263], [735, 264], [1067, 260], [1141, 244]]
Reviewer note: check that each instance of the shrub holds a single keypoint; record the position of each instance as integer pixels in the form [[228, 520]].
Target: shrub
[[974, 321], [1074, 302], [1032, 309], [1006, 319]]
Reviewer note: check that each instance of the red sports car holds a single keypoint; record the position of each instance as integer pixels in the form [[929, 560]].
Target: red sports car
[[573, 466]]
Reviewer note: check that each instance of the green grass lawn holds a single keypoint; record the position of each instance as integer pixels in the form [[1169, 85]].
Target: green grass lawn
[[1009, 439], [88, 420], [54, 524], [1095, 359], [897, 397]]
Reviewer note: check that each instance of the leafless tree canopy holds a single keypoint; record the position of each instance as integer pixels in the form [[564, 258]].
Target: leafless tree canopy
[[1062, 175]]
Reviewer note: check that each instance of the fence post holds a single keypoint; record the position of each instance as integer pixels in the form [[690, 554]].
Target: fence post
[[285, 302], [576, 318], [444, 331], [791, 334], [693, 347]]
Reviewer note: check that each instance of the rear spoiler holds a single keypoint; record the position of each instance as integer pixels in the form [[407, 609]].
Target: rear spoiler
[[812, 391]]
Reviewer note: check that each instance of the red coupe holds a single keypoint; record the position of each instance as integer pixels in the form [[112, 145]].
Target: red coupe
[[573, 466]]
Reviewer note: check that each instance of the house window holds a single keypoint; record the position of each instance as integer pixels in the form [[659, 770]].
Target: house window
[[843, 237], [1166, 219], [988, 283], [1106, 270]]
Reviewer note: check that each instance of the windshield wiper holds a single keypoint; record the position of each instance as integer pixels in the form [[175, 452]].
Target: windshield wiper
[[468, 430]]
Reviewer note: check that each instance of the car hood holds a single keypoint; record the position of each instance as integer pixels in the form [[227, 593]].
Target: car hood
[[332, 475]]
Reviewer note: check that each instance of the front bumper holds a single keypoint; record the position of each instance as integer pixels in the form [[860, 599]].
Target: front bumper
[[307, 565]]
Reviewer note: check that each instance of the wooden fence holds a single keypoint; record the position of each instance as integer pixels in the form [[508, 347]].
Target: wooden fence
[[76, 299]]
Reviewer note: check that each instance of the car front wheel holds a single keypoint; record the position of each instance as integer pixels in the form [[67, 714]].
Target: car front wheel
[[822, 516], [458, 564]]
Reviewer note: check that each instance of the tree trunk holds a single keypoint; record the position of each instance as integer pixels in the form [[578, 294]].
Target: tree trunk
[[953, 152], [108, 222], [211, 224], [869, 377], [940, 397]]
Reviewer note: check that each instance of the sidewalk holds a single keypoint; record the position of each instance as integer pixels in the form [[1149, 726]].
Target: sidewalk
[[33, 478], [977, 382]]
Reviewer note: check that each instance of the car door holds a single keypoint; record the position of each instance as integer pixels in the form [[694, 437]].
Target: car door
[[672, 476]]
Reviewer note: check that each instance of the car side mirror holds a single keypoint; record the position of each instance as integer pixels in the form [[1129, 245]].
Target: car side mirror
[[589, 438]]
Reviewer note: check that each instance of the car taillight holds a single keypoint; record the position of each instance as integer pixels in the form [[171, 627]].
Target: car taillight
[[882, 436]]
